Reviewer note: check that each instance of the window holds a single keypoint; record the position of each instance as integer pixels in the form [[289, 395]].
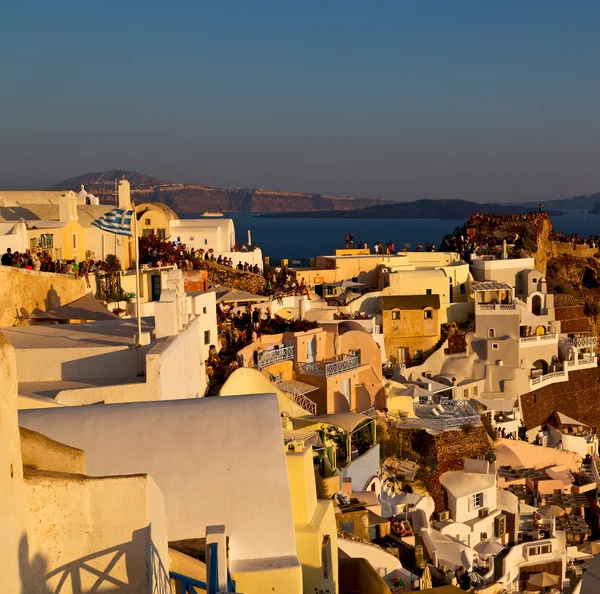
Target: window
[[428, 314], [74, 241], [326, 556], [544, 549], [355, 353], [395, 315], [204, 310], [161, 234], [475, 390], [462, 289], [207, 337], [347, 527], [147, 232], [491, 333], [146, 221], [466, 393], [495, 346], [428, 292], [476, 501], [206, 242], [47, 241], [534, 279]]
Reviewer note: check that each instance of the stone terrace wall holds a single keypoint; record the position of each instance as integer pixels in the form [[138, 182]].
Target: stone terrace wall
[[558, 248], [231, 277], [572, 319], [447, 451], [30, 289], [579, 398]]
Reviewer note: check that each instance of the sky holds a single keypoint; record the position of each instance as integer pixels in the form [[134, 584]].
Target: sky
[[484, 101]]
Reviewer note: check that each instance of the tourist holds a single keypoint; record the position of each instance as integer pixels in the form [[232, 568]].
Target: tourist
[[7, 258], [349, 240]]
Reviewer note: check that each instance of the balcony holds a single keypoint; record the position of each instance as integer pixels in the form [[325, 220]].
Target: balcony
[[276, 355], [585, 342], [526, 341], [329, 367], [497, 307], [553, 377]]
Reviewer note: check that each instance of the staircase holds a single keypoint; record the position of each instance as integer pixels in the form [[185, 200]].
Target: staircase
[[300, 399]]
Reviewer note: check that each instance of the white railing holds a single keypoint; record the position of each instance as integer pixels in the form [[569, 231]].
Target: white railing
[[276, 355], [538, 338], [300, 399], [581, 343], [329, 368], [370, 412], [499, 306], [540, 379]]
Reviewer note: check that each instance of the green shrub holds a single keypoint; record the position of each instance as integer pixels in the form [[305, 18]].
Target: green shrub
[[592, 309]]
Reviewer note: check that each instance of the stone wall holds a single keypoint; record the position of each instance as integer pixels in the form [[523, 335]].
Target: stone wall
[[195, 280], [579, 398], [558, 248], [445, 452], [20, 288], [572, 319], [233, 278], [554, 567]]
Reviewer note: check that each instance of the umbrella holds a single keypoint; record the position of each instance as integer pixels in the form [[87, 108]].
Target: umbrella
[[591, 548], [550, 511], [488, 547], [543, 580], [426, 582]]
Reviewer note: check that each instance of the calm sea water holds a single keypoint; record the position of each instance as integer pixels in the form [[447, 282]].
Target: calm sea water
[[306, 238]]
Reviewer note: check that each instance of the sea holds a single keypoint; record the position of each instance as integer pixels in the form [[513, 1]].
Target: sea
[[297, 238]]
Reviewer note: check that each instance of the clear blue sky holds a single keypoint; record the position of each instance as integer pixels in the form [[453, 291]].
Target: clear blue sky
[[460, 99]]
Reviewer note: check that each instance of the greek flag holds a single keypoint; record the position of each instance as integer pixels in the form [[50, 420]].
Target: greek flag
[[117, 221]]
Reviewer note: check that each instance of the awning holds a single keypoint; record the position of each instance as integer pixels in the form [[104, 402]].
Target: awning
[[235, 295], [565, 420], [346, 421], [308, 437], [498, 404], [85, 308]]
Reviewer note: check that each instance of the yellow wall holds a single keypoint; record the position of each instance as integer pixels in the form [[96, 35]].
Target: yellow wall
[[29, 289], [411, 331], [157, 218], [68, 251], [314, 524], [284, 579]]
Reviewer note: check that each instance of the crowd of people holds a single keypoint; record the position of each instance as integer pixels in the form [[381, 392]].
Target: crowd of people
[[593, 241], [488, 232]]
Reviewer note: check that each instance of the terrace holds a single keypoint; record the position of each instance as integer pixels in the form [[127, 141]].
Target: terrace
[[329, 367], [452, 414]]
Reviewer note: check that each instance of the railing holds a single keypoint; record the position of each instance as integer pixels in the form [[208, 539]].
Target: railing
[[187, 584], [276, 355], [500, 306], [370, 412], [538, 338], [300, 399], [329, 368], [579, 343], [544, 378], [472, 417]]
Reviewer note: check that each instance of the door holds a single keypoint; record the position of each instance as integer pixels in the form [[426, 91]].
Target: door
[[310, 350], [402, 354], [156, 287], [346, 389]]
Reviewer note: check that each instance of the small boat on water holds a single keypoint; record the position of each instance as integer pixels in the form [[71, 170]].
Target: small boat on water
[[212, 214]]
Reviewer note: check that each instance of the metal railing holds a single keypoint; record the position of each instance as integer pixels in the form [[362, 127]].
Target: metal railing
[[492, 306], [276, 355], [579, 343], [370, 412], [300, 399], [471, 417], [330, 367], [187, 584]]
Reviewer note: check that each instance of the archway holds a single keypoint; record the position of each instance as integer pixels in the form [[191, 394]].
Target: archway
[[540, 330], [541, 366], [536, 305]]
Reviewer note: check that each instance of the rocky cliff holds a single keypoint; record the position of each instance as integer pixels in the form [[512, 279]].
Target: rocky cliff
[[197, 198]]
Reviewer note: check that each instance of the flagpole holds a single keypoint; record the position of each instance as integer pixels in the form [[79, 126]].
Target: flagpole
[[137, 278]]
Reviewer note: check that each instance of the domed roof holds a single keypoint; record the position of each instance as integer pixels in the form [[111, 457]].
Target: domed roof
[[349, 325]]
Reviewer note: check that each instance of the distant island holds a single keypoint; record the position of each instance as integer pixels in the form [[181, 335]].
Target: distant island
[[418, 209], [192, 199]]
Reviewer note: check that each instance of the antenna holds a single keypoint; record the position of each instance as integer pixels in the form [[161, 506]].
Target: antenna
[[116, 192]]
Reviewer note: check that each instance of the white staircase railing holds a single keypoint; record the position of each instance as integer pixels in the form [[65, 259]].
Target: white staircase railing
[[275, 356], [300, 399]]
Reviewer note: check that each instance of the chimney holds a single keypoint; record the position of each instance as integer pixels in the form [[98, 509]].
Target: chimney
[[124, 194], [67, 207]]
